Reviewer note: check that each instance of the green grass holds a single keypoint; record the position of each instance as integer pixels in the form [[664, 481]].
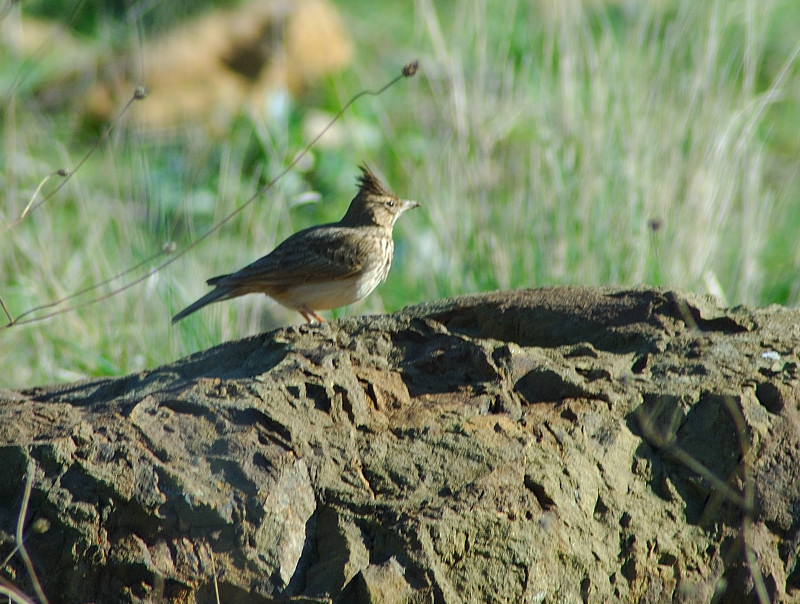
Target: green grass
[[541, 138]]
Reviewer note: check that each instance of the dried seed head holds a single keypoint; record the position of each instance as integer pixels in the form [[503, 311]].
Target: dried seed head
[[409, 69]]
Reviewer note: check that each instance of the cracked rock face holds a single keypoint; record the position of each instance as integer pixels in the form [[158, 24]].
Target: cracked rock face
[[551, 445]]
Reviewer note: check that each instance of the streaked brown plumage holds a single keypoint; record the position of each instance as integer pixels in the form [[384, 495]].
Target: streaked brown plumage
[[325, 266]]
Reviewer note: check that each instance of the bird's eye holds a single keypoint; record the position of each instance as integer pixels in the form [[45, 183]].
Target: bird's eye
[[390, 203]]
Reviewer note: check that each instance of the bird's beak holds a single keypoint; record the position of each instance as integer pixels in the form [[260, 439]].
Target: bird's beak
[[409, 204]]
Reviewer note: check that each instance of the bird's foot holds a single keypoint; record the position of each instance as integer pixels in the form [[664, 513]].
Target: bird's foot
[[309, 314]]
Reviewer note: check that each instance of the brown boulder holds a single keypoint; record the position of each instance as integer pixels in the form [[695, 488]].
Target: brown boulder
[[545, 445]]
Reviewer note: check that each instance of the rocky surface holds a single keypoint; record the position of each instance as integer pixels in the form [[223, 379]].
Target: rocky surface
[[554, 445]]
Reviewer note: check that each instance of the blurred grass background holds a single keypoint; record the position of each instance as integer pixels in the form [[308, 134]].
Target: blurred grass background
[[595, 142]]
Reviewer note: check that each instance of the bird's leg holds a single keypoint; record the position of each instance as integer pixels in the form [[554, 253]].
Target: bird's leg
[[308, 314]]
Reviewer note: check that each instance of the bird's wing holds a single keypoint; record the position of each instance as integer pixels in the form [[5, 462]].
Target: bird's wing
[[324, 253]]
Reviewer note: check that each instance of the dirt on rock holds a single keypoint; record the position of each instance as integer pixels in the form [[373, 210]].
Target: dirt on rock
[[551, 445]]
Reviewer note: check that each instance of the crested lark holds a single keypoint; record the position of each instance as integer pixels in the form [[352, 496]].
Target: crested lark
[[325, 266]]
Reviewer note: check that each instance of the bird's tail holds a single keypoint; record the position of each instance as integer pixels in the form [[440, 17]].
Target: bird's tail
[[215, 295]]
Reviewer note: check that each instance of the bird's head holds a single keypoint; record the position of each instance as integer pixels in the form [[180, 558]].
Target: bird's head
[[374, 204]]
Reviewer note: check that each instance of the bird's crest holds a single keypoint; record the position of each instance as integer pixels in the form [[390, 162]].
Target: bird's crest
[[369, 184]]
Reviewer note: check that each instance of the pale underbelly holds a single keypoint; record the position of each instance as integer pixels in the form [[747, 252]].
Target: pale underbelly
[[329, 294]]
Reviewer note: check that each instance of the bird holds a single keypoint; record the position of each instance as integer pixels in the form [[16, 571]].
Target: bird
[[324, 266]]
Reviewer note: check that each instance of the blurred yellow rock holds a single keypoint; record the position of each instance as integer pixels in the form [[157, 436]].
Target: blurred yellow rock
[[202, 72], [208, 69]]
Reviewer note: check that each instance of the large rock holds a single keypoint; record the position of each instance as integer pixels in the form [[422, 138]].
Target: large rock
[[551, 445]]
